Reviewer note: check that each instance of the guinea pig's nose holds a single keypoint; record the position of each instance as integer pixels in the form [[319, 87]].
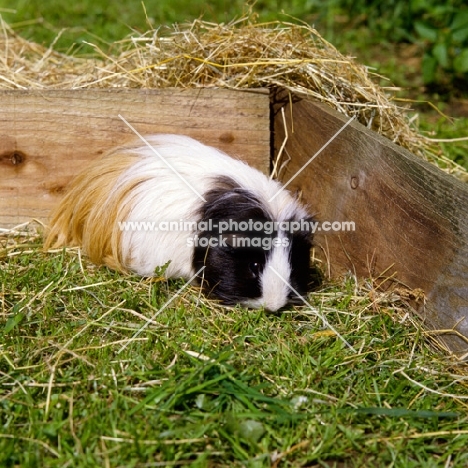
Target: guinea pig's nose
[[272, 304], [275, 281], [275, 298]]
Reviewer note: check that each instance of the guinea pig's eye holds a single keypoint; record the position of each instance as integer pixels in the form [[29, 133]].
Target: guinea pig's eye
[[254, 268]]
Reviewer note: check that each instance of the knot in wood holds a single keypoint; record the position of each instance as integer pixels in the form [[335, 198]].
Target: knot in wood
[[12, 158], [16, 158]]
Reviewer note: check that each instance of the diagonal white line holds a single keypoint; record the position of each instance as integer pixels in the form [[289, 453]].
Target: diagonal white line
[[313, 309], [153, 149], [311, 159], [162, 308]]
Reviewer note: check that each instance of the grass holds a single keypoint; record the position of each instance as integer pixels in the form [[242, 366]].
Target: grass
[[207, 386], [108, 22], [203, 385]]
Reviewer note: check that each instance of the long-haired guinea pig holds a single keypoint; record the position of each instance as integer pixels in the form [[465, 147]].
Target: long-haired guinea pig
[[236, 221]]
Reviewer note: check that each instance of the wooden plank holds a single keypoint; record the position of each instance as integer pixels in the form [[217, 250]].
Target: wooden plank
[[411, 219], [47, 137]]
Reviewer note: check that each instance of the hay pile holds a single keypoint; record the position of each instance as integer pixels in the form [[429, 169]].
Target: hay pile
[[241, 54]]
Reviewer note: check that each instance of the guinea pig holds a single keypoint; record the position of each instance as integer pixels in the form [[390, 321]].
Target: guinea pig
[[237, 221]]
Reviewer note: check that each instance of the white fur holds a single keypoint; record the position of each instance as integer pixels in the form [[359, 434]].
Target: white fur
[[275, 278], [162, 192]]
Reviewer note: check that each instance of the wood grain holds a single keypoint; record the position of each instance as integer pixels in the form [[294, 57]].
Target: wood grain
[[47, 137], [411, 219]]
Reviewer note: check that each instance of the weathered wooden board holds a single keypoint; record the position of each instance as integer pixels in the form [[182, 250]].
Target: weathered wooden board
[[411, 219], [47, 137]]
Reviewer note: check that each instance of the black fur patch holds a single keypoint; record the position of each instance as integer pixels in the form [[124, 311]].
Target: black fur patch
[[301, 244], [232, 272], [232, 267]]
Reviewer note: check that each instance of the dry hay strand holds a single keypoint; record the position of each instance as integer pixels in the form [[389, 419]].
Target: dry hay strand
[[241, 54], [18, 239]]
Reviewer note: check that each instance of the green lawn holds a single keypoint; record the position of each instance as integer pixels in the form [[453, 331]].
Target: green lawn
[[112, 21], [208, 386], [82, 385]]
